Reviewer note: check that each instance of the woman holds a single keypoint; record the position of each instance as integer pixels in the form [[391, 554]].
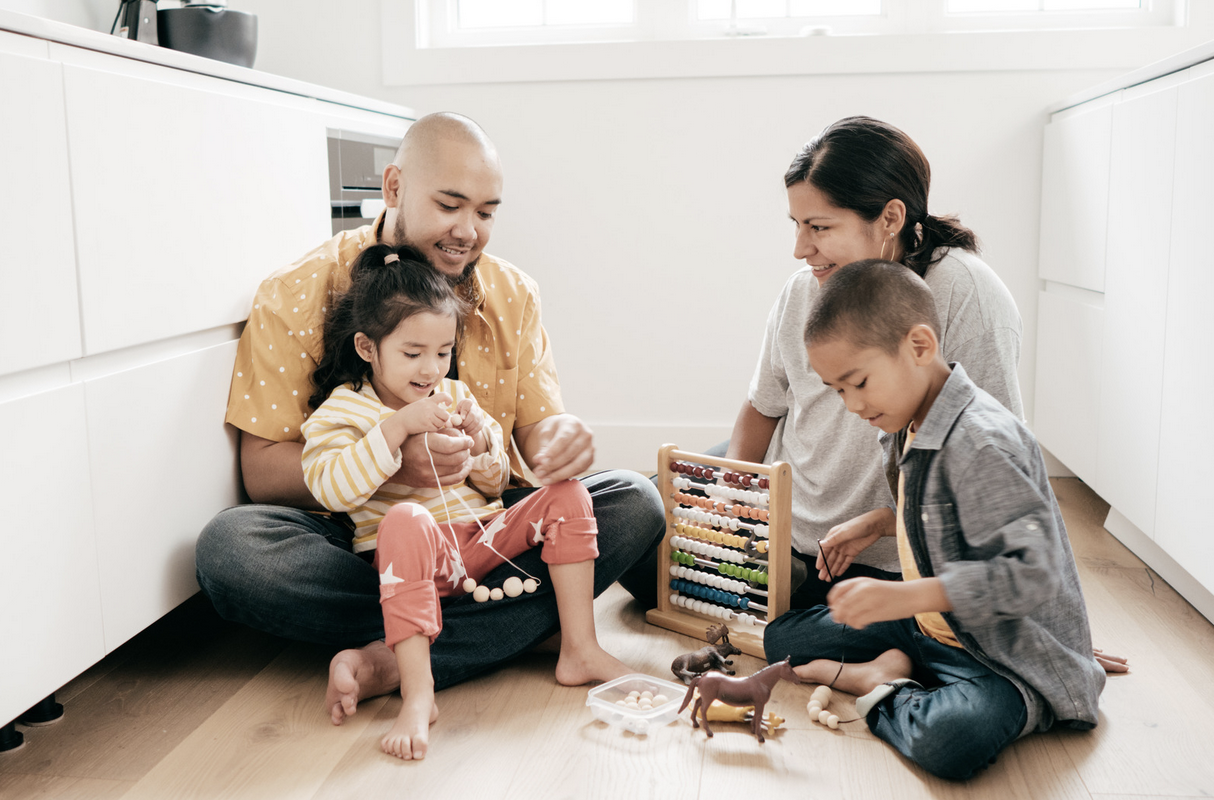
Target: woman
[[859, 190]]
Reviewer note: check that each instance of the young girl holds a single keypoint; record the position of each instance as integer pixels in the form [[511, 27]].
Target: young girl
[[388, 343]]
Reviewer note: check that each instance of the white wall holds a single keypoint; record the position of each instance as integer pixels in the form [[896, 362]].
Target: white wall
[[653, 215]]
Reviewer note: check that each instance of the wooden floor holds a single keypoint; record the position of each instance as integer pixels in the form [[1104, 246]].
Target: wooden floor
[[195, 707]]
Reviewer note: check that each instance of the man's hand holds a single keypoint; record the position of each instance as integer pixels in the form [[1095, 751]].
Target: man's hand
[[452, 455], [859, 602], [847, 540], [556, 448]]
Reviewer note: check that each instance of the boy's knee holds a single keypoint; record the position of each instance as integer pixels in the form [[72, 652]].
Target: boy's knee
[[954, 745]]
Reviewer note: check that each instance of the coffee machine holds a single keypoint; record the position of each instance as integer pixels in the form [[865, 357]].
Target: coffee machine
[[136, 20]]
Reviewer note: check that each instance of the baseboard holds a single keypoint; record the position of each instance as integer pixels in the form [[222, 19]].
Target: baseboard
[[1157, 559], [636, 447]]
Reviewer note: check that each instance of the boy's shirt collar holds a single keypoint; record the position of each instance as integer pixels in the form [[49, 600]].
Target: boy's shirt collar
[[955, 395]]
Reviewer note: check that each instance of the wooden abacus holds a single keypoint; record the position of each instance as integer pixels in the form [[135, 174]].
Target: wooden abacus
[[727, 548]]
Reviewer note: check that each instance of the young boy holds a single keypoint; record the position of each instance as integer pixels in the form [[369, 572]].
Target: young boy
[[989, 618]]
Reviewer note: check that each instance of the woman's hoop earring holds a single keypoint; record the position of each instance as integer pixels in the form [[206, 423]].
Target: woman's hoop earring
[[891, 236]]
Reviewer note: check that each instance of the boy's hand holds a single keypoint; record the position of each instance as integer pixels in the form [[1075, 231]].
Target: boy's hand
[[846, 541], [860, 602]]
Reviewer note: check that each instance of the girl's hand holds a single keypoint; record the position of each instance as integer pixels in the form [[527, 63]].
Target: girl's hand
[[472, 423], [421, 416]]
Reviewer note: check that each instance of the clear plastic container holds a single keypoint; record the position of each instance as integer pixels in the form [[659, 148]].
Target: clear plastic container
[[604, 703]]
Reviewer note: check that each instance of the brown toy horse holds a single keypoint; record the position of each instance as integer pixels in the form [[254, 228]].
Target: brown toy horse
[[753, 691]]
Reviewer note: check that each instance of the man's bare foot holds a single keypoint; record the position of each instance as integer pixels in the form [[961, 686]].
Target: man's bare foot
[[355, 675], [858, 679], [578, 666], [409, 737]]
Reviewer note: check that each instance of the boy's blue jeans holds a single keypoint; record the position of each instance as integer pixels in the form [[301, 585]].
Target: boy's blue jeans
[[293, 574], [952, 728]]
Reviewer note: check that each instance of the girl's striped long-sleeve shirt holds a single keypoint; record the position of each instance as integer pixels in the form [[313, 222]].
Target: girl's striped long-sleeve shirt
[[347, 464]]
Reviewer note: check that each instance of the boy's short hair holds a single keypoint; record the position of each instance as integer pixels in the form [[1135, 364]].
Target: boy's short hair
[[871, 304]]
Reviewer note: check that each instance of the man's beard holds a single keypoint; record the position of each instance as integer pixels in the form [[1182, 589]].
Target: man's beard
[[398, 233]]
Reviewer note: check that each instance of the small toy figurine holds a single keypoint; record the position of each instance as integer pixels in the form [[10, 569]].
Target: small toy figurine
[[719, 712], [753, 691], [715, 656]]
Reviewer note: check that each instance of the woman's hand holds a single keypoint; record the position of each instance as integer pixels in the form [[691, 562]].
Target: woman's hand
[[846, 541]]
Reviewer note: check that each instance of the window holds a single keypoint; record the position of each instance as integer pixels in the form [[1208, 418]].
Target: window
[[470, 23]]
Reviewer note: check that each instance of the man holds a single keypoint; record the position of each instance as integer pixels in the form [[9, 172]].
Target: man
[[282, 569]]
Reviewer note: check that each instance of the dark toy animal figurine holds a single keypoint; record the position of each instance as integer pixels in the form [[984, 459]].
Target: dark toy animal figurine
[[715, 656], [755, 690]]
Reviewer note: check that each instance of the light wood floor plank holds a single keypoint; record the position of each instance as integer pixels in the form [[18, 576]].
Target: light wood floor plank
[[132, 715], [273, 738], [42, 787]]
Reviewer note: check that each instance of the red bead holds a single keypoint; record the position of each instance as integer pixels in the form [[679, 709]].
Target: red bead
[[763, 483], [746, 480], [709, 473], [699, 472]]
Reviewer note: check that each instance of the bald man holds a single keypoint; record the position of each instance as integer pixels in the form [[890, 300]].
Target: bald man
[[281, 567]]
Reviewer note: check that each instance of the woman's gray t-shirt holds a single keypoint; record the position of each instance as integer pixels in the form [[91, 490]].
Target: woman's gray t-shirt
[[835, 456]]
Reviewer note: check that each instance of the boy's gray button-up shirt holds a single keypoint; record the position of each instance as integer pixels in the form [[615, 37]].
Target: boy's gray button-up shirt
[[981, 516]]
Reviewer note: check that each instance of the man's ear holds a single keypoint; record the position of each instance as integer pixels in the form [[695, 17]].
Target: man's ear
[[364, 347], [392, 185], [923, 343]]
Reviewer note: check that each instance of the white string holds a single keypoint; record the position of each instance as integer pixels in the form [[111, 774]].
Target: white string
[[451, 530]]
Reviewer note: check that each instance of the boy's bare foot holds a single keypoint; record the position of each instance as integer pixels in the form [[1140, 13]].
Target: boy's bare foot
[[355, 675], [578, 666], [858, 679], [409, 737]]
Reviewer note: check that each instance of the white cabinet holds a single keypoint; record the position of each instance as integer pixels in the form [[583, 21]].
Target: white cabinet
[[1136, 298], [141, 207], [1075, 195], [1183, 525], [163, 464], [1122, 392], [49, 590], [1069, 349], [185, 196], [39, 315]]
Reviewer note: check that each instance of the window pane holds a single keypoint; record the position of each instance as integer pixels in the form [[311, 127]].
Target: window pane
[[500, 13], [1085, 5], [580, 12], [832, 8], [980, 6]]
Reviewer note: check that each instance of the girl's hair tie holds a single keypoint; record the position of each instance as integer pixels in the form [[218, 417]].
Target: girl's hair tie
[[390, 258]]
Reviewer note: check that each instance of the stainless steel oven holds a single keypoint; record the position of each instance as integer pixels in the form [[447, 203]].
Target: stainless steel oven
[[356, 168]]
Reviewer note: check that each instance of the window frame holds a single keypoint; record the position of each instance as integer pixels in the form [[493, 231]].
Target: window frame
[[407, 60]]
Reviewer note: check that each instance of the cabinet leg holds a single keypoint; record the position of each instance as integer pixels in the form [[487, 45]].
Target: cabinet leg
[[10, 738], [47, 712]]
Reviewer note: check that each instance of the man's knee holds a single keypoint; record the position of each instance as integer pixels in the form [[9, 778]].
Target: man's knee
[[627, 506]]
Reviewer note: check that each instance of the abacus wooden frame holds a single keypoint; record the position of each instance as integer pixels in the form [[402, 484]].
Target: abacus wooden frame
[[672, 617]]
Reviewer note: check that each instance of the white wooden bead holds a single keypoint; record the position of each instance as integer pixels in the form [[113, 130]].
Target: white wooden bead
[[496, 594], [660, 699], [530, 585], [832, 722], [823, 715], [480, 594], [469, 586], [513, 586]]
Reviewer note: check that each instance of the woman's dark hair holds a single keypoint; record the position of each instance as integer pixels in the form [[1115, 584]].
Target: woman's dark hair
[[380, 297], [861, 164]]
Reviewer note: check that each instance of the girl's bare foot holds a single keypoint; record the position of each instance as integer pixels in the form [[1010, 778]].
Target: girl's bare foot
[[577, 666], [355, 675], [858, 679], [409, 737]]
